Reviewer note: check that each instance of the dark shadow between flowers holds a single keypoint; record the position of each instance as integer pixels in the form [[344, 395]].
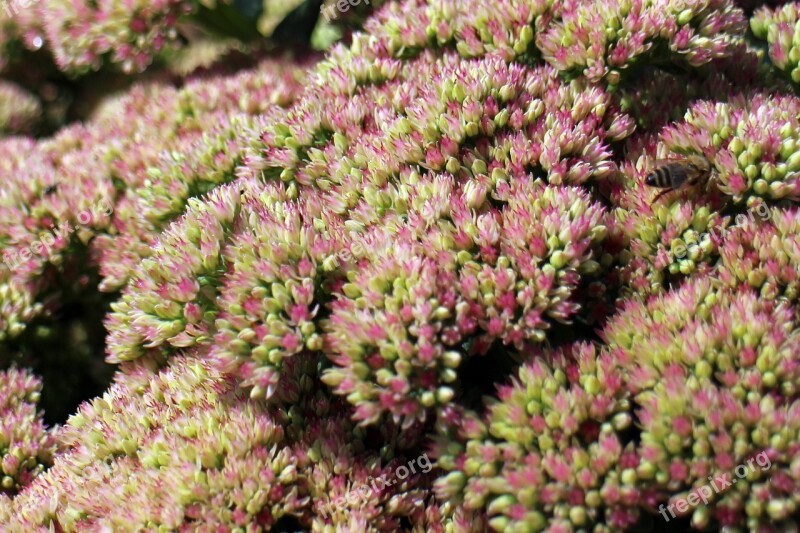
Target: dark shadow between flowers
[[287, 524], [66, 345]]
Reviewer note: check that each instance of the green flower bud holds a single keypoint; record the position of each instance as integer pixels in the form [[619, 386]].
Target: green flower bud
[[578, 515], [559, 259], [736, 146], [499, 523], [793, 162], [685, 16], [500, 505]]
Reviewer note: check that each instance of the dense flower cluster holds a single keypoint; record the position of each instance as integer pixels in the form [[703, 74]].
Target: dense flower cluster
[[86, 185], [269, 301], [714, 373], [708, 375], [398, 333], [764, 255], [751, 140], [421, 285], [19, 109], [664, 238], [269, 291], [603, 39], [40, 223], [182, 448], [197, 136], [179, 451], [26, 448], [162, 302], [751, 149], [778, 26], [81, 33], [578, 38], [548, 453], [666, 242]]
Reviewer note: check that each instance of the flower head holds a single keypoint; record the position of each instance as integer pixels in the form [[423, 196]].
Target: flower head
[[81, 34], [605, 39], [751, 142], [26, 446], [778, 26], [181, 450], [19, 110]]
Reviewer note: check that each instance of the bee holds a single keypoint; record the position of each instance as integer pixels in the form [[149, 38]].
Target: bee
[[674, 174], [50, 190]]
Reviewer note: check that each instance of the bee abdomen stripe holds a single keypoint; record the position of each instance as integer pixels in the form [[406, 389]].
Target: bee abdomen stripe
[[662, 177]]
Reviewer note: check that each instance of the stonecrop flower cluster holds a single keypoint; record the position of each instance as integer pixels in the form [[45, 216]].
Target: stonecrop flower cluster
[[87, 35], [27, 446], [555, 449], [419, 283], [779, 27], [18, 109]]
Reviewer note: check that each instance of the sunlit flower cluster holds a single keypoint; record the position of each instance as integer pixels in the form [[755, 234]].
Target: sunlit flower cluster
[[43, 223], [764, 253], [666, 237], [604, 40], [607, 38], [271, 295], [714, 375], [709, 377], [506, 276], [84, 34], [752, 141], [515, 280], [183, 448], [163, 302], [196, 137], [26, 448], [98, 185], [458, 114], [423, 284], [178, 451], [778, 26], [548, 453]]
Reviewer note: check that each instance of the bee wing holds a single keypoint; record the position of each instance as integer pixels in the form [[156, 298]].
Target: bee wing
[[672, 161], [683, 170], [661, 163]]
